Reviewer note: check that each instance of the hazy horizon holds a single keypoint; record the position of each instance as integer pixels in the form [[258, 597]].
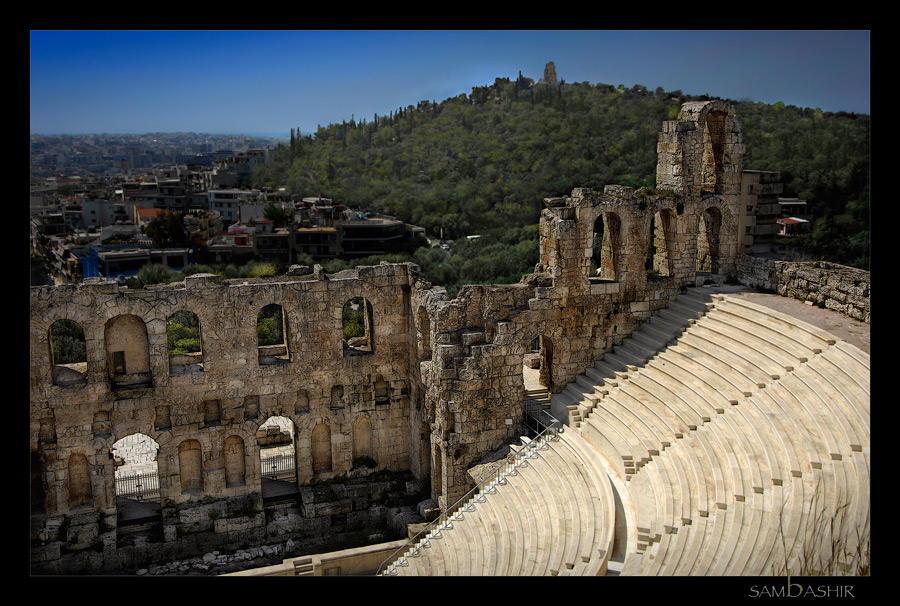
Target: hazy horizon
[[262, 81]]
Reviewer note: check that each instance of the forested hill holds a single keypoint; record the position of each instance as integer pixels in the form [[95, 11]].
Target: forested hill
[[485, 161]]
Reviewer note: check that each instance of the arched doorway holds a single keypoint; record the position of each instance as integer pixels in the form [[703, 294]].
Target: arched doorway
[[277, 459], [537, 376], [136, 474], [537, 364]]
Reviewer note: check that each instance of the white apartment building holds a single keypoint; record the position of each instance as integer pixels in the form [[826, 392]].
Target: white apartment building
[[228, 202]]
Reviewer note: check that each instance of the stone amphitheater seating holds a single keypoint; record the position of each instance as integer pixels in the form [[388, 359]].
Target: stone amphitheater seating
[[725, 431]]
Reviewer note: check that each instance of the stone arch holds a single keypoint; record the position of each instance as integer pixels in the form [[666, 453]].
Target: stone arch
[[190, 466], [424, 328], [235, 464], [661, 246], [81, 493], [277, 439], [320, 443], [68, 353], [363, 448], [272, 334], [536, 348], [713, 159], [605, 246], [184, 343], [357, 326], [136, 475], [709, 243], [127, 351]]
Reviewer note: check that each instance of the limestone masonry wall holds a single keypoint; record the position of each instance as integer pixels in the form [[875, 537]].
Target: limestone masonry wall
[[837, 287]]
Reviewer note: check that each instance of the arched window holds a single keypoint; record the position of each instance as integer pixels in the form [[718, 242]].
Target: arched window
[[708, 240], [271, 332], [660, 245], [356, 322], [713, 151], [68, 353], [605, 245], [183, 343], [127, 352]]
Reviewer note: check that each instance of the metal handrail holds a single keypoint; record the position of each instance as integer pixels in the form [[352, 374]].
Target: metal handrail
[[496, 477]]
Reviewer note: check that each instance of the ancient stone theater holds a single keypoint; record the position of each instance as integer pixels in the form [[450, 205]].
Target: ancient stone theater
[[621, 410]]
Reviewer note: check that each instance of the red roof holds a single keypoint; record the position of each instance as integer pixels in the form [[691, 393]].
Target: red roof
[[150, 212]]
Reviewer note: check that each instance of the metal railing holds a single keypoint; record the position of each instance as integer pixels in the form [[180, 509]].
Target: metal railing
[[138, 486], [551, 430], [278, 467]]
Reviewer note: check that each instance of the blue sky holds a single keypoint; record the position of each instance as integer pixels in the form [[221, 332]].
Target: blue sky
[[262, 81]]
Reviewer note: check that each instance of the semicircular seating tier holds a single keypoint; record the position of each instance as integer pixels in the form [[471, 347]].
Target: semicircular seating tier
[[720, 438]]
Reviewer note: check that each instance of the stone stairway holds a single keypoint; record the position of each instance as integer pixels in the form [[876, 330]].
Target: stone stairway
[[720, 438], [737, 437], [554, 515]]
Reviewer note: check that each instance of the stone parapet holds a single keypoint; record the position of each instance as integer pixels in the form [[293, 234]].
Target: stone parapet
[[837, 287], [843, 289]]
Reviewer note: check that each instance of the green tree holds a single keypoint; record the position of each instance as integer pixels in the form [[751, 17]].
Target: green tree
[[281, 216], [270, 325], [353, 318], [67, 339], [167, 230]]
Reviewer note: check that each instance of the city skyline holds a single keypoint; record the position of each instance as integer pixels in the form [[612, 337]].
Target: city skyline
[[261, 82]]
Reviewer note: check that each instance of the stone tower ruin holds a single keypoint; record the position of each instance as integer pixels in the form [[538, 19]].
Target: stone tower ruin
[[550, 74]]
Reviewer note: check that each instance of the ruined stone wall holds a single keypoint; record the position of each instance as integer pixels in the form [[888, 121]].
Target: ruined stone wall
[[205, 416], [846, 290], [700, 157], [435, 386], [757, 272], [840, 288]]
